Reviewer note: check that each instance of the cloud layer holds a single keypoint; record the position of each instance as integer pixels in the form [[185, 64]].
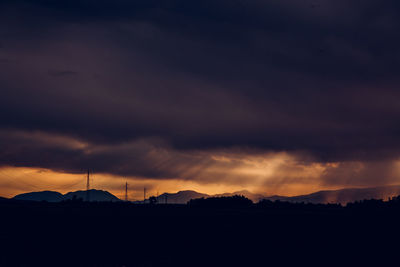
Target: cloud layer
[[161, 90]]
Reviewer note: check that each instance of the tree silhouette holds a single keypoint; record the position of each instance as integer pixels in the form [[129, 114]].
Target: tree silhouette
[[153, 200], [221, 202]]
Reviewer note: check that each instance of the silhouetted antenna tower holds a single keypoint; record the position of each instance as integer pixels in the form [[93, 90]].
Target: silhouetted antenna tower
[[126, 191], [144, 195], [88, 186]]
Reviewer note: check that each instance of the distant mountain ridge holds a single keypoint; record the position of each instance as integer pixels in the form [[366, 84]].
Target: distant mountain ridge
[[181, 197], [94, 195], [253, 197], [52, 196], [49, 196], [343, 196]]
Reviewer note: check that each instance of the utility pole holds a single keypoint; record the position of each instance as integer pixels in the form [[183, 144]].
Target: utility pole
[[144, 195], [88, 187], [126, 191]]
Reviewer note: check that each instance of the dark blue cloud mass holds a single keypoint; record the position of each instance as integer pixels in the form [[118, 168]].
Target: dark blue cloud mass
[[315, 77]]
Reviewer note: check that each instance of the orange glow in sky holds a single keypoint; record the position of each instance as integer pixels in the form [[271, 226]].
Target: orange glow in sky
[[267, 174], [17, 180]]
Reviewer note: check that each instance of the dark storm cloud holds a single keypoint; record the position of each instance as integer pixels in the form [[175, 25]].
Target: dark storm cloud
[[145, 158], [319, 77], [58, 73]]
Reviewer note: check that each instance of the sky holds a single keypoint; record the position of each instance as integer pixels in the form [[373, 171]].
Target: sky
[[275, 96]]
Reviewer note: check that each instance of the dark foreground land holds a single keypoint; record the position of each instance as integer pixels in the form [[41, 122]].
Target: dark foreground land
[[267, 234]]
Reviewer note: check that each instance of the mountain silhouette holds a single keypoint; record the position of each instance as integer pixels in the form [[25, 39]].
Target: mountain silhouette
[[276, 197], [49, 196], [181, 197], [94, 195], [52, 196], [343, 196], [253, 197]]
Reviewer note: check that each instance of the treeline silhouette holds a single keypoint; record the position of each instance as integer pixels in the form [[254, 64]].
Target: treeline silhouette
[[223, 231], [221, 202], [235, 202]]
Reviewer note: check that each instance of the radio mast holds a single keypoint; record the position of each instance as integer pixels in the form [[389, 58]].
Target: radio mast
[[88, 186], [126, 191]]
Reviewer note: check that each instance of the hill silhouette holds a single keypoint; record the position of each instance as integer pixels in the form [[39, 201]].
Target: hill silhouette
[[52, 196], [343, 196], [253, 197], [95, 195], [49, 196], [181, 197]]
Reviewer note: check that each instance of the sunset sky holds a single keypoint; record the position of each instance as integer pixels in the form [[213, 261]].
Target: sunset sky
[[274, 96]]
